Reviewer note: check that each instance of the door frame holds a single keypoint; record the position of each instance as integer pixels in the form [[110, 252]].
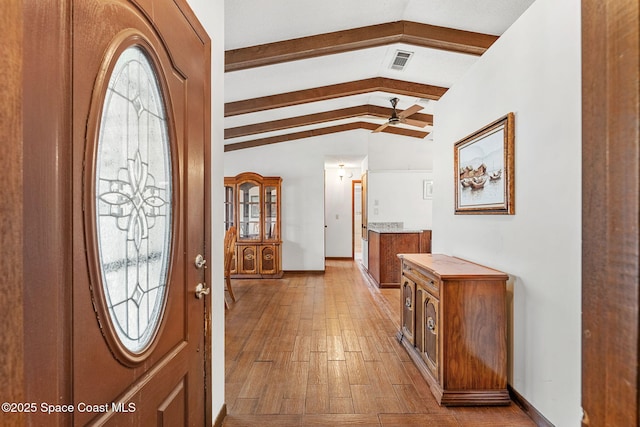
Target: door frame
[[610, 212], [354, 182], [47, 299]]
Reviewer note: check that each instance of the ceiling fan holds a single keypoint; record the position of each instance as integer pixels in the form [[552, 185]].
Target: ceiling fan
[[402, 117]]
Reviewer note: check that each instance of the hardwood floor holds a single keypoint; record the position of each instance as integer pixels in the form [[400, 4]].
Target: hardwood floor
[[320, 350]]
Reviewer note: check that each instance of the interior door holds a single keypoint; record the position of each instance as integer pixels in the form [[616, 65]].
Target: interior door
[[140, 149]]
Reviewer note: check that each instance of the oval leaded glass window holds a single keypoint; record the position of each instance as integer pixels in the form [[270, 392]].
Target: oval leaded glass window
[[134, 200]]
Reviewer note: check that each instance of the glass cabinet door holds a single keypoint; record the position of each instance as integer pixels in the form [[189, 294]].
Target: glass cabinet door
[[270, 213], [229, 218], [248, 211]]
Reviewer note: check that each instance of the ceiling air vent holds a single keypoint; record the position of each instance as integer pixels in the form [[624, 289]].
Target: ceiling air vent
[[400, 60]]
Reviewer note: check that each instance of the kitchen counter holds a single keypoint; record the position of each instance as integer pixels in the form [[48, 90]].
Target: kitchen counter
[[385, 243], [395, 230]]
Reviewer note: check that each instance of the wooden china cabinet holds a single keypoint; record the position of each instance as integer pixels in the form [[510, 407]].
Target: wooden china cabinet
[[252, 204]]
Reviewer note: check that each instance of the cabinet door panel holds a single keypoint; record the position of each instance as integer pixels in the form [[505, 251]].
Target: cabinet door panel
[[247, 261], [429, 320], [268, 259], [407, 309]]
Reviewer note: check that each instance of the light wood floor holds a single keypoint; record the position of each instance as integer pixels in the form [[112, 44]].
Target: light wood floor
[[320, 350]]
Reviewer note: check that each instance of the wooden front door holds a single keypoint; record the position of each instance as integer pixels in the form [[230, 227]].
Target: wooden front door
[[140, 217]]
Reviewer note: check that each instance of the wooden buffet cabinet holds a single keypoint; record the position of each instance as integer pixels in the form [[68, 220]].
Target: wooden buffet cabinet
[[453, 325], [252, 204]]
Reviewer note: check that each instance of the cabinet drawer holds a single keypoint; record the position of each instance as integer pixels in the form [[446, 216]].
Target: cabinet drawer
[[422, 278]]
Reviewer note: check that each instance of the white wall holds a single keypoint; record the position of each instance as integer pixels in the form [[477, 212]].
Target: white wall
[[397, 167], [301, 166], [397, 196], [534, 71], [391, 152], [211, 15]]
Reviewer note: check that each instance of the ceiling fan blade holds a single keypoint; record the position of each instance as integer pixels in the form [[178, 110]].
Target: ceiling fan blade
[[381, 128], [414, 122], [411, 110]]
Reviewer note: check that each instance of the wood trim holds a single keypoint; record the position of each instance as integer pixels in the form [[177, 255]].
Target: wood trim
[[195, 24], [207, 243], [322, 93], [322, 131], [528, 408], [323, 117], [220, 417], [291, 122], [354, 182], [48, 207], [364, 179], [302, 272], [407, 32], [12, 230], [444, 38], [610, 212]]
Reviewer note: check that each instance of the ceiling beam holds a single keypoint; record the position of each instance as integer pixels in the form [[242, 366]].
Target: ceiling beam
[[323, 131], [322, 93], [407, 32], [323, 117]]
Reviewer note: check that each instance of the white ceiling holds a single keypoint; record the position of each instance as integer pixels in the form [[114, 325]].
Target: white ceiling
[[250, 23]]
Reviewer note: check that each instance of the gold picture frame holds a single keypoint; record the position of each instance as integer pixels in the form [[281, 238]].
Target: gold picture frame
[[484, 170]]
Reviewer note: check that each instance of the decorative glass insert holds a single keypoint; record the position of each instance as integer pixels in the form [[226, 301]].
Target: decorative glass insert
[[134, 200]]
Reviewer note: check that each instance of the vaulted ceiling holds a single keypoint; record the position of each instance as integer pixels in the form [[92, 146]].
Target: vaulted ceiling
[[298, 69]]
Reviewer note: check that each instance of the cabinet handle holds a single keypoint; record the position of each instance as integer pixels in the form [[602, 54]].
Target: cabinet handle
[[431, 324], [407, 302]]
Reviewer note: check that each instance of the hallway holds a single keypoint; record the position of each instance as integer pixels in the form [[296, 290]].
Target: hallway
[[316, 349]]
